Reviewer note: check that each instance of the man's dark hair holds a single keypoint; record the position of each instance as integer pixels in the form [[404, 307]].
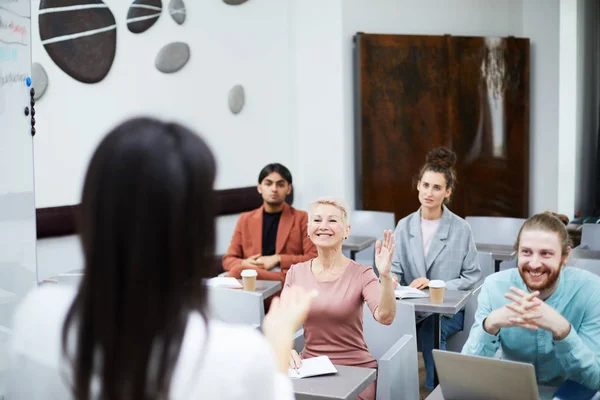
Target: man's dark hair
[[275, 167]]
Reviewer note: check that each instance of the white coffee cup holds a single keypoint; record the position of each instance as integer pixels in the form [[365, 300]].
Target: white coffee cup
[[249, 279], [436, 290]]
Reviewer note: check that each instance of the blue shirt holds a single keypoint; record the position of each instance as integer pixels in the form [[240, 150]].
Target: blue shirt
[[576, 357]]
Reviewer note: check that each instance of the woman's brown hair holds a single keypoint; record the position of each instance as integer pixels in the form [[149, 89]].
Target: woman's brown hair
[[441, 160]]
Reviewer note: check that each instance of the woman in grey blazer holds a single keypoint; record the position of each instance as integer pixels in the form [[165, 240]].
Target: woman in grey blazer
[[433, 243]]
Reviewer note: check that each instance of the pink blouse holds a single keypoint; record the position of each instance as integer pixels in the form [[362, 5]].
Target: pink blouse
[[334, 326]]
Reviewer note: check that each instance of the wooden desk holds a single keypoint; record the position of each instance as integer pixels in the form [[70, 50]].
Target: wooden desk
[[347, 384], [357, 243], [454, 301], [499, 252], [545, 392]]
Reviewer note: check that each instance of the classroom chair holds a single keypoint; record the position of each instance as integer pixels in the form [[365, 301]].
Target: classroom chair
[[590, 237], [370, 223], [457, 341], [395, 349], [236, 306]]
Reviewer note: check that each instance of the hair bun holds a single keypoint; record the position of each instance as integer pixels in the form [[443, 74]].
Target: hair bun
[[561, 217], [442, 156]]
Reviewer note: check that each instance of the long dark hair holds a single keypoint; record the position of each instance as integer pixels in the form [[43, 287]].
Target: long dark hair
[[147, 230]]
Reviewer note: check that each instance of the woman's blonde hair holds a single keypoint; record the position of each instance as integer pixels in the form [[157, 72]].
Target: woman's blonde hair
[[332, 201]]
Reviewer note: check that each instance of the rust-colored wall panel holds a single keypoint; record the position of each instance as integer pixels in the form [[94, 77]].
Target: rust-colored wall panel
[[468, 93]]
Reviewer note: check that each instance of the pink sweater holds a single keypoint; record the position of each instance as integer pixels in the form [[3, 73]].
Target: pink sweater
[[334, 326]]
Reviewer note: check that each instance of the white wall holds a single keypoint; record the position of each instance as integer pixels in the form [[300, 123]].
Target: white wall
[[246, 44], [319, 90], [541, 20]]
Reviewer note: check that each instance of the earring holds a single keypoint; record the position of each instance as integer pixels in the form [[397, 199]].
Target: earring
[[308, 235], [345, 237]]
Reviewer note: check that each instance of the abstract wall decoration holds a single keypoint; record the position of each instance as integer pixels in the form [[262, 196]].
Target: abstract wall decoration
[[172, 57], [39, 80], [143, 14], [237, 99], [177, 11], [415, 92], [80, 36], [234, 2]]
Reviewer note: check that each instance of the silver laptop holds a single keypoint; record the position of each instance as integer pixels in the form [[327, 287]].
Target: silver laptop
[[464, 377]]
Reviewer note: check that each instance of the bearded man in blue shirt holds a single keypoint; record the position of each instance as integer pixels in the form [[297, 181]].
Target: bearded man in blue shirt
[[541, 312]]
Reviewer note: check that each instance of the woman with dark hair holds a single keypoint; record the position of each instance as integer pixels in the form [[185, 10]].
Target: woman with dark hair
[[137, 326], [435, 244]]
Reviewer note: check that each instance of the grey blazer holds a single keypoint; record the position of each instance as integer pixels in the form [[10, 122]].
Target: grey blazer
[[452, 255]]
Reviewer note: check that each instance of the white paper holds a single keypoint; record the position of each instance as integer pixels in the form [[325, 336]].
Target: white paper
[[226, 282], [313, 367], [406, 292]]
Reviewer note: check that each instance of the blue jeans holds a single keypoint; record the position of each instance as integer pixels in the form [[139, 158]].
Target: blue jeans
[[449, 326]]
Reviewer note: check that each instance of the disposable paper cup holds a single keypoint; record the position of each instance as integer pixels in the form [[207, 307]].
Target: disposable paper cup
[[249, 279], [436, 291]]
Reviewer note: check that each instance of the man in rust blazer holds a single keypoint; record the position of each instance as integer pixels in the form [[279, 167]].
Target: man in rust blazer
[[273, 235]]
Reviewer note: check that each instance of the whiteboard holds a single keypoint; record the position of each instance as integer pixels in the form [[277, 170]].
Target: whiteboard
[[17, 202]]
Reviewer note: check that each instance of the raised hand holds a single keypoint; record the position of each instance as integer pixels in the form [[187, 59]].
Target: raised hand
[[384, 250], [288, 312]]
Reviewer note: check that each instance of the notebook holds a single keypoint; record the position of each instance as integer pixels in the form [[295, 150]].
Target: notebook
[[225, 282], [406, 292], [313, 367]]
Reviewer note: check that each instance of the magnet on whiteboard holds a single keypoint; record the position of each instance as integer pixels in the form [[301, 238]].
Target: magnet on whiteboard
[[28, 81]]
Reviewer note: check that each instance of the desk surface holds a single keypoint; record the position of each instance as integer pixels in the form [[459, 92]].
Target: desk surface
[[267, 288], [264, 288], [500, 252], [454, 301], [545, 392], [358, 243], [347, 384]]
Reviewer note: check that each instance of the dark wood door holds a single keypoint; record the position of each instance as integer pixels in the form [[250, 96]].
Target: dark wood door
[[470, 94]]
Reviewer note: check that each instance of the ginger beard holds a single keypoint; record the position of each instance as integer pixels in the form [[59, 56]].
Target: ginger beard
[[540, 259]]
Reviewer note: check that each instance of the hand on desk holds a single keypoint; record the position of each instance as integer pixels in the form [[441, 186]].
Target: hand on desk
[[420, 283], [268, 262], [251, 262]]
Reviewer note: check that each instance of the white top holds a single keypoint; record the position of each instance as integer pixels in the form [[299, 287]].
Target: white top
[[238, 362], [428, 229]]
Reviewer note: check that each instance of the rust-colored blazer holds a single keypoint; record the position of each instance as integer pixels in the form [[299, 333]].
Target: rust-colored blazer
[[292, 243]]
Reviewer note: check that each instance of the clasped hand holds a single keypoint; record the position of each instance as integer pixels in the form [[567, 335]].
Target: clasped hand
[[261, 262], [528, 311]]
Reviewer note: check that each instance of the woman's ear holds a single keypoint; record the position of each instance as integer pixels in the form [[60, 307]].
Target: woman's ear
[[448, 193]]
